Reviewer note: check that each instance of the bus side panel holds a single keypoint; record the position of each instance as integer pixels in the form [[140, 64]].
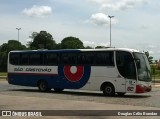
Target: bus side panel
[[30, 79], [99, 75], [58, 77], [29, 75]]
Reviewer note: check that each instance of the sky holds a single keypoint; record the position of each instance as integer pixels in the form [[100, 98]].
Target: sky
[[135, 23]]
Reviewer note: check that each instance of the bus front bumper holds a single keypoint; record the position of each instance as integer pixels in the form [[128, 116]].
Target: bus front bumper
[[142, 89]]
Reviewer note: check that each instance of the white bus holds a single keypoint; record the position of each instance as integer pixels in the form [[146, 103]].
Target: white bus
[[111, 70]]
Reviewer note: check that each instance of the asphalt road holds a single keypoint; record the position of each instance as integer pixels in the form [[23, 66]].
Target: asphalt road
[[151, 99], [19, 97]]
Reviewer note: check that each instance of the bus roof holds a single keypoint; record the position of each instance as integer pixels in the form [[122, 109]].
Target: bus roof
[[78, 50]]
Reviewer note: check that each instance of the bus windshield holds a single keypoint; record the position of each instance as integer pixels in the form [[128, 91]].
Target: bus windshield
[[143, 67]]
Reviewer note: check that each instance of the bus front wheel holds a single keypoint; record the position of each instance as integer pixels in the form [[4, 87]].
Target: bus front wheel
[[108, 90], [43, 86]]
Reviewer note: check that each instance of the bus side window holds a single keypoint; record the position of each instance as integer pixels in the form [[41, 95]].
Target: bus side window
[[72, 57], [24, 60], [104, 59], [80, 59], [64, 59], [85, 58], [35, 59], [90, 58], [14, 58], [69, 59], [51, 59]]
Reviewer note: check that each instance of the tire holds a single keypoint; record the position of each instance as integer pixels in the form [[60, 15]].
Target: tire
[[121, 94], [58, 89], [43, 86], [108, 90]]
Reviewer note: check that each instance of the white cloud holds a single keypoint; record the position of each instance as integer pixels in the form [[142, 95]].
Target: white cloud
[[158, 52], [118, 4], [144, 26], [94, 44], [151, 52], [151, 46], [38, 11], [89, 43], [97, 1], [101, 19]]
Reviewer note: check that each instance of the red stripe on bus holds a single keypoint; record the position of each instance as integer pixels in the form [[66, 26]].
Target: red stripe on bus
[[41, 74]]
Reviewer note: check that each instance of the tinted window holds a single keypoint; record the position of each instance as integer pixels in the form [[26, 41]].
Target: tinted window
[[86, 58], [35, 59], [125, 64], [51, 59], [100, 58], [104, 58], [69, 58], [14, 58], [24, 59]]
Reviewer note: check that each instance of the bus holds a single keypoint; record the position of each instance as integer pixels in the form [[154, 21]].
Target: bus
[[111, 70]]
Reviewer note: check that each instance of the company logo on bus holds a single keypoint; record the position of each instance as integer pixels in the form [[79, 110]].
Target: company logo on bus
[[73, 73], [77, 75]]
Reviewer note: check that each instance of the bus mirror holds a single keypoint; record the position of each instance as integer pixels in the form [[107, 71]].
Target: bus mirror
[[138, 64]]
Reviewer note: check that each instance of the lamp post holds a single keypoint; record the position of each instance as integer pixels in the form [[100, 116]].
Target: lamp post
[[110, 29], [18, 32]]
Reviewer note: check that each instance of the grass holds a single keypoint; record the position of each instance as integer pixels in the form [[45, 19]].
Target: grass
[[3, 74], [156, 77]]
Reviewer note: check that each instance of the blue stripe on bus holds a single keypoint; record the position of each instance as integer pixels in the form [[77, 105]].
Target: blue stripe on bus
[[30, 79], [54, 80]]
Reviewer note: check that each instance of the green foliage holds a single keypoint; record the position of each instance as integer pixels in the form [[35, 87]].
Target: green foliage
[[5, 49], [155, 71], [3, 74], [11, 45], [100, 47], [3, 61], [42, 40], [71, 43], [150, 58]]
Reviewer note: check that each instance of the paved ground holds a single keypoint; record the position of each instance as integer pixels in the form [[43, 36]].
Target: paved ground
[[33, 103], [11, 102]]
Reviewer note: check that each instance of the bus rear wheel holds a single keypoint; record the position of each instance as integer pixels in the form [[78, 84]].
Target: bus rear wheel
[[43, 86], [108, 90]]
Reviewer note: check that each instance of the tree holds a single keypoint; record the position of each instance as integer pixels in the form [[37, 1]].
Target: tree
[[5, 49], [88, 47], [71, 43], [12, 45], [3, 61], [156, 61], [150, 58], [100, 47], [58, 46], [42, 40]]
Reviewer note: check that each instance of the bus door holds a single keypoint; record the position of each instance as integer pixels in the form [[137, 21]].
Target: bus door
[[127, 71]]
